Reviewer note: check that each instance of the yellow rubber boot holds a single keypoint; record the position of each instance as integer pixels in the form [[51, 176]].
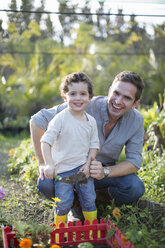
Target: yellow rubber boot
[[57, 220], [90, 215]]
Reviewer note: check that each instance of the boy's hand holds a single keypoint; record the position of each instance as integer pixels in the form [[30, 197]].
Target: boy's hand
[[85, 170], [49, 171]]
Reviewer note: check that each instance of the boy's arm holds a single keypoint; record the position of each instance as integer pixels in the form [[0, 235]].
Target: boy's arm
[[91, 155], [49, 169]]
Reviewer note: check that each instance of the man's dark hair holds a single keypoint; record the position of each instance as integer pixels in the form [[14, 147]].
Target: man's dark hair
[[76, 77], [133, 78]]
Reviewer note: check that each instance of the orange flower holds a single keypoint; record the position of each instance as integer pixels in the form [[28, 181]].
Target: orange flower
[[116, 212], [125, 242], [25, 243], [55, 246], [11, 152], [33, 157], [115, 244]]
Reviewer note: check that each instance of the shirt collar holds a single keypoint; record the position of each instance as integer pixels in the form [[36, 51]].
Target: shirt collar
[[104, 112]]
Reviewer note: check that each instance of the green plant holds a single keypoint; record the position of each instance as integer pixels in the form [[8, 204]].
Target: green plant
[[38, 233], [154, 117], [22, 162], [85, 245], [150, 114], [153, 175], [142, 227]]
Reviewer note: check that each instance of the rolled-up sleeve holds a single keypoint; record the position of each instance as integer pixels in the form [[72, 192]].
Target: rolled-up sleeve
[[134, 146], [44, 116]]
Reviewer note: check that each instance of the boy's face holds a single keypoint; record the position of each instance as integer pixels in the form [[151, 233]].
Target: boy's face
[[77, 96]]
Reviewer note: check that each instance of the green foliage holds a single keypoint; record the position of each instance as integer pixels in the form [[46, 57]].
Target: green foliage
[[153, 175], [22, 162], [19, 121], [85, 245], [37, 233], [153, 168], [110, 233], [150, 114], [36, 63], [142, 227]]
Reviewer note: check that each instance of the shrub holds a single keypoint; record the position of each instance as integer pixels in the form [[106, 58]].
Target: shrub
[[23, 162], [153, 175]]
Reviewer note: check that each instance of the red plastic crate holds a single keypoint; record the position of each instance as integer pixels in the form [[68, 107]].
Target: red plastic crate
[[74, 235]]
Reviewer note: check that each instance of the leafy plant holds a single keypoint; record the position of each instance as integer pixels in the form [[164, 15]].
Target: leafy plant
[[85, 245], [141, 226], [22, 162], [150, 114], [38, 233], [153, 168], [153, 175]]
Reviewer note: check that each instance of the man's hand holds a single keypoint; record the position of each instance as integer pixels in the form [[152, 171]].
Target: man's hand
[[96, 170], [49, 171]]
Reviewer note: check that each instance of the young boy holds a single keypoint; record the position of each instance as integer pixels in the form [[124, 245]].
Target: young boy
[[68, 146]]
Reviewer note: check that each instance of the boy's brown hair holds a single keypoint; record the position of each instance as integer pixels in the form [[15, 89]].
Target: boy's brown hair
[[76, 77]]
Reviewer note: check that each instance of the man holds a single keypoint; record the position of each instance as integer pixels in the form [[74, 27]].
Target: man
[[119, 125]]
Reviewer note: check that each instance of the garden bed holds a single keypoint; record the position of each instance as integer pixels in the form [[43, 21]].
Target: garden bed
[[105, 234]]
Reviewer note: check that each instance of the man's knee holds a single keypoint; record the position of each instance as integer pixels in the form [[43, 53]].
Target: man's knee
[[138, 189], [129, 192]]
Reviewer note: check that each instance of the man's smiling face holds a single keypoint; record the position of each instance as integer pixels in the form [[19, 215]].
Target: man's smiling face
[[121, 98]]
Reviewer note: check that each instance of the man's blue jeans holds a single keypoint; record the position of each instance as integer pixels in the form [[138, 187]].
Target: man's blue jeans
[[125, 189]]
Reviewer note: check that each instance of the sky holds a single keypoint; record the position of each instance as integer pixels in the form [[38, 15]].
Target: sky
[[137, 7]]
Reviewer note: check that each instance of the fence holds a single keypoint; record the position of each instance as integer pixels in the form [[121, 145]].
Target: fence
[[74, 235]]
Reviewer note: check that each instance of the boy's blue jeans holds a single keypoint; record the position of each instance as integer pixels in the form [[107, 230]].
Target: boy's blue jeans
[[124, 189], [65, 192]]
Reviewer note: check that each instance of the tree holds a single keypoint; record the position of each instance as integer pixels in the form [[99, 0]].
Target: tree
[[12, 16], [67, 20], [49, 33], [21, 19]]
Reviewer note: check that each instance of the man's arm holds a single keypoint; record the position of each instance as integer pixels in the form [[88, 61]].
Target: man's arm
[[133, 156], [36, 134], [49, 169], [122, 169]]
